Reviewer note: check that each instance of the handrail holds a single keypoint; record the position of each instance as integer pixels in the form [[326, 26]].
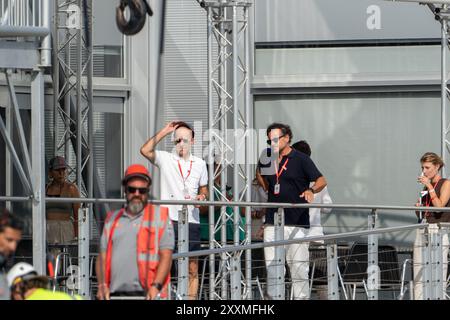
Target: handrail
[[20, 18], [233, 204], [258, 245], [14, 199]]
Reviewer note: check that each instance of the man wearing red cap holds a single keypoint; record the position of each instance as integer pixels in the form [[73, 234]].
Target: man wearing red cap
[[136, 244]]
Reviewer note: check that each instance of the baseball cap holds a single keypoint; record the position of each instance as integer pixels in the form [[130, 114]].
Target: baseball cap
[[136, 170], [57, 163]]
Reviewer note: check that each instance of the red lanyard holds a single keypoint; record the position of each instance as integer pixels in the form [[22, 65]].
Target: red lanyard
[[283, 168], [181, 172]]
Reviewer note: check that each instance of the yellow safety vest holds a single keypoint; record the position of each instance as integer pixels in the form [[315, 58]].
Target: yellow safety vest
[[43, 294]]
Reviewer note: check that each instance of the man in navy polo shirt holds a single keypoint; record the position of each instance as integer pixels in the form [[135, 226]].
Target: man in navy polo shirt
[[288, 174]]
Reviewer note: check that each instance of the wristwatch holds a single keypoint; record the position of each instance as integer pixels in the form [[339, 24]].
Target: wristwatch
[[157, 285]]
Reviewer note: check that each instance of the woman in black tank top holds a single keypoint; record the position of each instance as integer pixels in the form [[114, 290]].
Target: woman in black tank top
[[436, 193], [436, 189]]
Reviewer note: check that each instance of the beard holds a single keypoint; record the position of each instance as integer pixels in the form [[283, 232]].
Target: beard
[[135, 206], [183, 150]]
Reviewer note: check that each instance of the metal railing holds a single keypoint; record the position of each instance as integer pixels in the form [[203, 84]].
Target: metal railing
[[22, 18], [432, 261], [229, 203], [334, 276]]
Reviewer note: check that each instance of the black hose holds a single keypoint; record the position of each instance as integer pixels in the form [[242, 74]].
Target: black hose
[[138, 12], [87, 31]]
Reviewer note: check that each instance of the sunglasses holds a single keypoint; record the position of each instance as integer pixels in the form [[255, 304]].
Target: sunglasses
[[179, 140], [140, 190], [275, 140]]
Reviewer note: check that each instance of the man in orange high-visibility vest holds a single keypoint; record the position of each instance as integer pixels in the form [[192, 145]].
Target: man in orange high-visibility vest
[[136, 244]]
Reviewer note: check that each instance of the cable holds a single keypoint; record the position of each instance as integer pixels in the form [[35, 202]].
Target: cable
[[138, 10], [87, 31]]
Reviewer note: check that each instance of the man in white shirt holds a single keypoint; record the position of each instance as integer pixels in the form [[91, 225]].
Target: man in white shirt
[[258, 194], [322, 197], [183, 177]]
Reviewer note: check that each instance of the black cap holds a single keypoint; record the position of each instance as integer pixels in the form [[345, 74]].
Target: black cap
[[57, 163]]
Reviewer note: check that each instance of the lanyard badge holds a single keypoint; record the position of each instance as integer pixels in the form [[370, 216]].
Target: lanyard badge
[[276, 189], [185, 188]]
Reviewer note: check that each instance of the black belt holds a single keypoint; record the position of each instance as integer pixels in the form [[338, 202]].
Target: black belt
[[128, 294]]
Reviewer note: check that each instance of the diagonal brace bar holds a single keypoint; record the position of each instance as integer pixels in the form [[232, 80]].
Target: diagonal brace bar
[[22, 140], [19, 168]]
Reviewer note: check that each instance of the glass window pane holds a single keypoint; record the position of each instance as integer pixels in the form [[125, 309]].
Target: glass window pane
[[107, 41]]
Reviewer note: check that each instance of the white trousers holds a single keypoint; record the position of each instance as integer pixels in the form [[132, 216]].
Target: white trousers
[[297, 258], [418, 261]]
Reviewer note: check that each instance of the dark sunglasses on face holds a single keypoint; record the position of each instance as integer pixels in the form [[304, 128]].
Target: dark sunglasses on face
[[133, 190], [179, 140], [275, 140]]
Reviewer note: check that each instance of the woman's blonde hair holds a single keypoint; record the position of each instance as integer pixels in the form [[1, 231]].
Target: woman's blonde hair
[[433, 158]]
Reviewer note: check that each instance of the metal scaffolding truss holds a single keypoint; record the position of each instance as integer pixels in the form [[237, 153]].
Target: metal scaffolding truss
[[442, 14], [72, 83], [73, 109], [229, 115], [32, 55]]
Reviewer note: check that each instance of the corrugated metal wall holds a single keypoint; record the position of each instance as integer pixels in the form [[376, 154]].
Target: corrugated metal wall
[[185, 69]]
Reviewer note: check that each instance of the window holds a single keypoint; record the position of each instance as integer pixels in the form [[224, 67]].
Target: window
[[108, 44]]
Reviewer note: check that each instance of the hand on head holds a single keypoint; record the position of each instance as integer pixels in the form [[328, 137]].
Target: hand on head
[[171, 126]]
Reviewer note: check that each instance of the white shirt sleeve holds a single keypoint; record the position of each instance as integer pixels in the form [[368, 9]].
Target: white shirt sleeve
[[254, 194], [161, 157], [258, 195], [203, 176], [326, 199]]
